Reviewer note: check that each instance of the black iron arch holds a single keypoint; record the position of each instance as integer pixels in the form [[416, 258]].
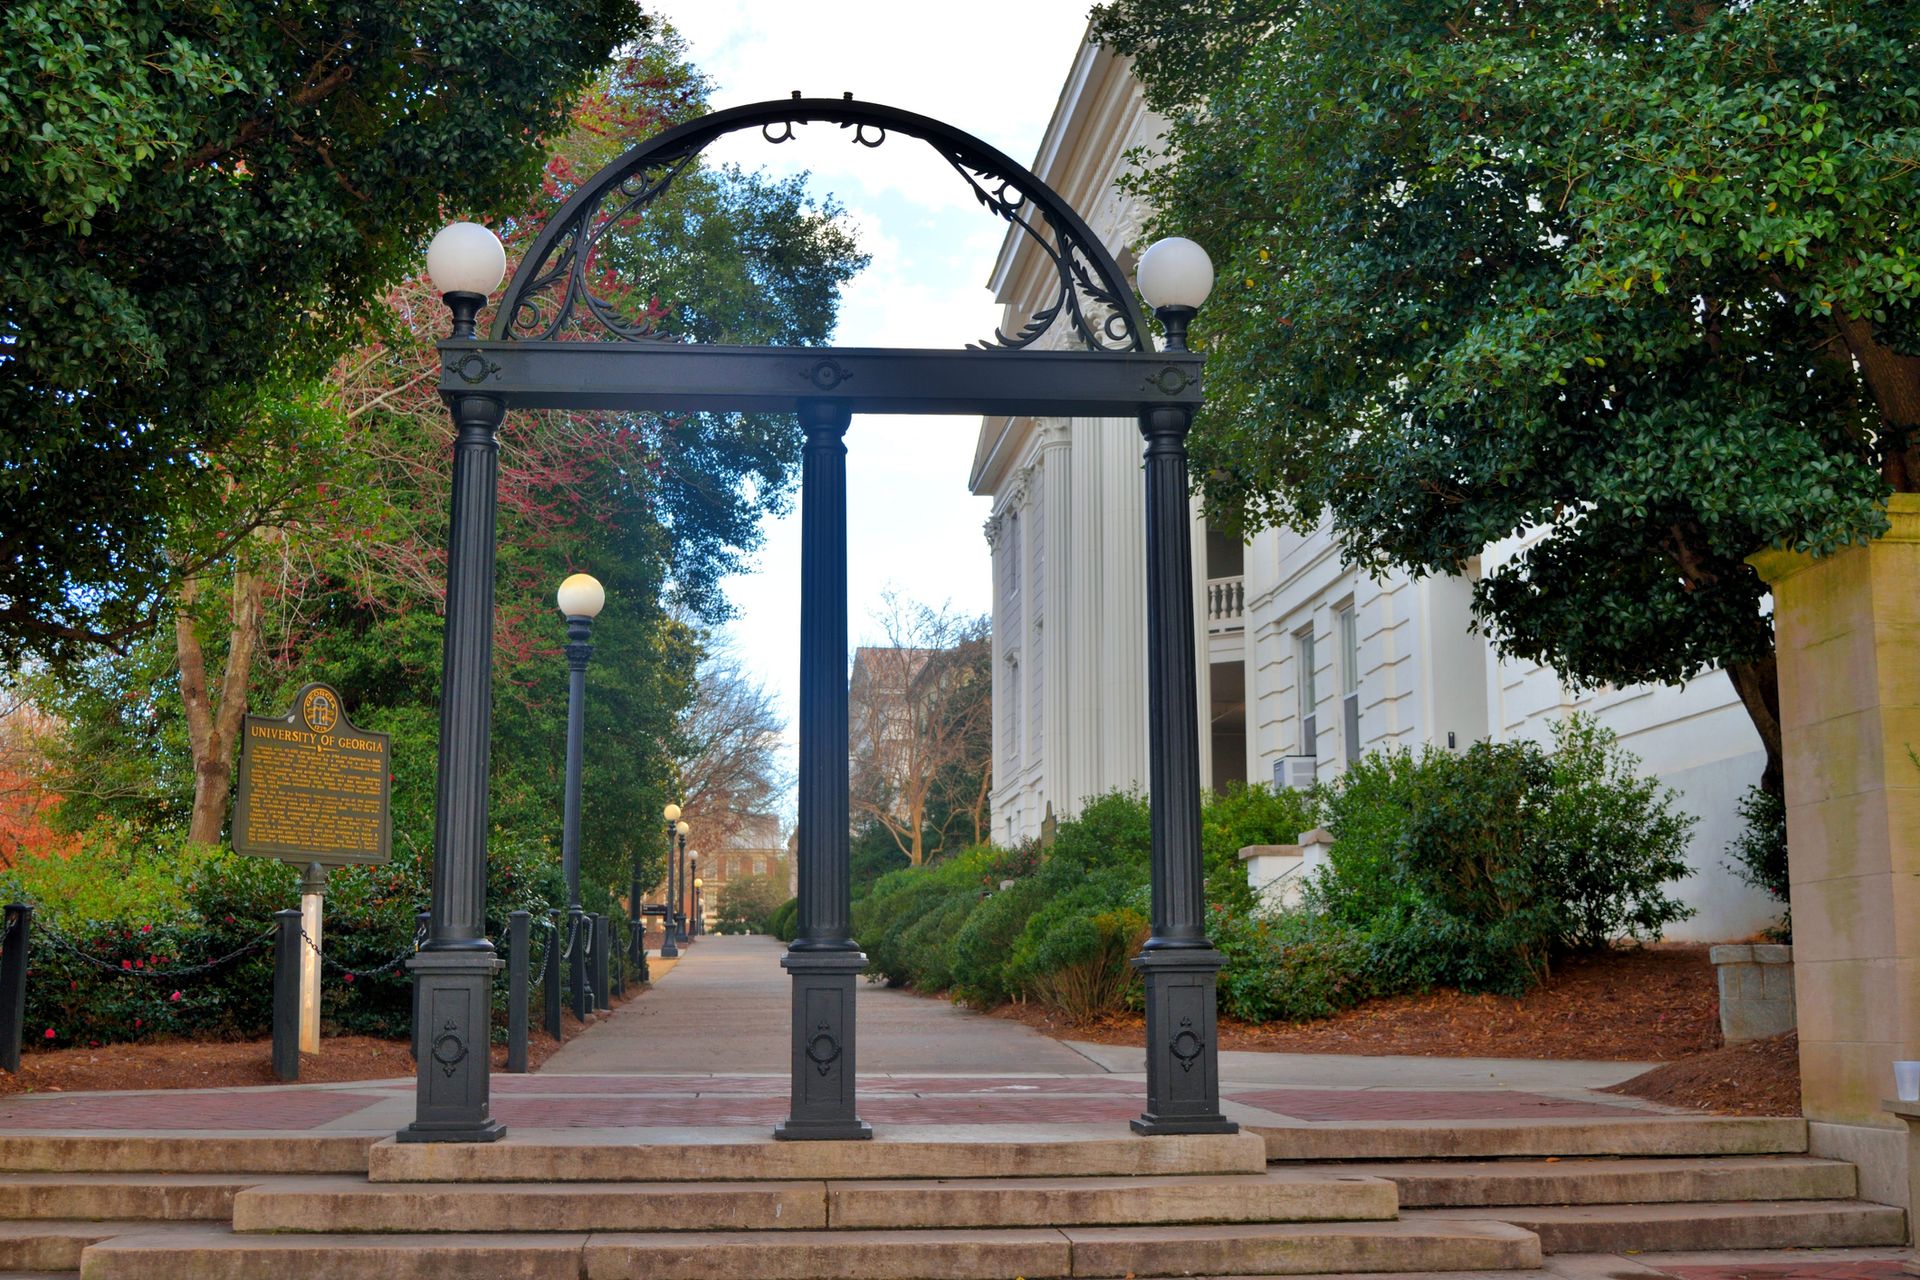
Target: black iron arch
[[552, 294], [557, 344]]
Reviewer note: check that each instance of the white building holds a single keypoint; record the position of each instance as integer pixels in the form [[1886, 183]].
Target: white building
[[1303, 656]]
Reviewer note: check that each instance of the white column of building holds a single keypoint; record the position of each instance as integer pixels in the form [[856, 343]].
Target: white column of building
[[1123, 637], [1056, 511], [1083, 576], [1203, 669], [991, 530]]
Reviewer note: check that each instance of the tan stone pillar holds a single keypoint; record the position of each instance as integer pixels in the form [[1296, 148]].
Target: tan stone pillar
[[1847, 631]]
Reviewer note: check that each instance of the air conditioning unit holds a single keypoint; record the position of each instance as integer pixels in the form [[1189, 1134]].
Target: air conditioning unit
[[1293, 773]]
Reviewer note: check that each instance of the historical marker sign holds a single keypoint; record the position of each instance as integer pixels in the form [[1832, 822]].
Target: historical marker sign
[[312, 787]]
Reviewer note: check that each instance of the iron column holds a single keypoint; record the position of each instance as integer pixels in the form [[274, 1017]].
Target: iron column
[[1177, 961], [579, 652], [670, 947], [454, 971], [823, 958]]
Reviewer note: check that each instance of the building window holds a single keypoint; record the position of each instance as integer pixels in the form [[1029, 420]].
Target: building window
[[1349, 629], [1304, 689], [759, 866]]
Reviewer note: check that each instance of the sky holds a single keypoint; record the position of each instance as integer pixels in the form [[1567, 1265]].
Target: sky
[[992, 68]]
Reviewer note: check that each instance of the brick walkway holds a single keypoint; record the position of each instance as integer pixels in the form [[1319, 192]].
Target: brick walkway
[[626, 1101]]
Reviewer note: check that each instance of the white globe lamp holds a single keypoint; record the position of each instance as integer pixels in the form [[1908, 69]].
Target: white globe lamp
[[466, 257], [581, 596]]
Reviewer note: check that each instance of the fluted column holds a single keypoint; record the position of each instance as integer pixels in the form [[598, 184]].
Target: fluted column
[[1177, 961], [453, 972], [824, 959]]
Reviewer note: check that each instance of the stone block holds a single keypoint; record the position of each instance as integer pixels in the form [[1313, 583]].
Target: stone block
[[1756, 994]]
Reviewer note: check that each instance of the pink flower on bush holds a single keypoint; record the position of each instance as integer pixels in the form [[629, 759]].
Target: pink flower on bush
[[174, 996], [126, 964], [349, 977], [146, 928], [50, 1034], [136, 1022]]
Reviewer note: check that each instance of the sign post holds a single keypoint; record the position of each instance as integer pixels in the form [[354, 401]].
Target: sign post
[[313, 893], [314, 791]]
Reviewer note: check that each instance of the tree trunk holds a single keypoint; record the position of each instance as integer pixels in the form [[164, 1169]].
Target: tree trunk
[[213, 727], [1758, 684], [1894, 380]]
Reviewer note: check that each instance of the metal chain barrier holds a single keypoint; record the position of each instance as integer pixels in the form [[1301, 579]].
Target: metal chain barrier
[[132, 969], [547, 950], [363, 971]]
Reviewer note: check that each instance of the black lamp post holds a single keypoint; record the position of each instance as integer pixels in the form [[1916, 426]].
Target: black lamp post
[[680, 901], [1177, 961], [581, 598], [693, 894], [637, 924], [699, 911], [676, 829], [555, 343], [453, 971]]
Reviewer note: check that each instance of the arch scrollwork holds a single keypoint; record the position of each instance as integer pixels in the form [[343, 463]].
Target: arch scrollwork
[[563, 290]]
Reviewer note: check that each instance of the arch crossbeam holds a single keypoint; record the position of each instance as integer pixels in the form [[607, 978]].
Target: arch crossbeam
[[686, 376]]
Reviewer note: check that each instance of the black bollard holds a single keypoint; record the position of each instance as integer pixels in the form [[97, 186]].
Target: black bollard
[[517, 991], [602, 964], [13, 984], [286, 994], [550, 974]]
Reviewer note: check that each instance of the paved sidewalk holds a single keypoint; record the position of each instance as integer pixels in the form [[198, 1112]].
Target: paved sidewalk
[[726, 1005], [706, 1050]]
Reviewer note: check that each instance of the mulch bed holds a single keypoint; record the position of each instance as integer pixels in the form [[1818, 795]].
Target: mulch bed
[[1639, 1004], [204, 1064], [1754, 1078]]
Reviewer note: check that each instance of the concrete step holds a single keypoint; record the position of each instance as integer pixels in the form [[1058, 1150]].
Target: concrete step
[[1278, 1195], [125, 1197], [214, 1254], [1646, 1228], [572, 1156], [1617, 1181], [1490, 1139], [346, 1204], [53, 1245], [184, 1153]]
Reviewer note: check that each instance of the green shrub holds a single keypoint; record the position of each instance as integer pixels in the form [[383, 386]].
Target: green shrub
[[1243, 815], [177, 911], [1080, 966], [1475, 870], [1759, 852], [982, 946], [784, 924], [1366, 810], [1291, 965]]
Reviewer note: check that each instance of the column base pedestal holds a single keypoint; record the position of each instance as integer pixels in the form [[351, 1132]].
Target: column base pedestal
[[823, 1047], [1183, 1051], [453, 1005]]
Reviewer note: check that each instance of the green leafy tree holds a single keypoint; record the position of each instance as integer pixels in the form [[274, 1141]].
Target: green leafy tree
[[658, 507], [1633, 284], [200, 199]]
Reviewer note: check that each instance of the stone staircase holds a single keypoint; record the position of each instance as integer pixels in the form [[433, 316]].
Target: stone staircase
[[1402, 1198]]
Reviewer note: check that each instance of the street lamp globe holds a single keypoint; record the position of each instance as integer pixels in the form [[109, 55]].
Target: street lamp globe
[[683, 828], [698, 883], [1174, 272], [466, 257], [671, 813], [581, 596]]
